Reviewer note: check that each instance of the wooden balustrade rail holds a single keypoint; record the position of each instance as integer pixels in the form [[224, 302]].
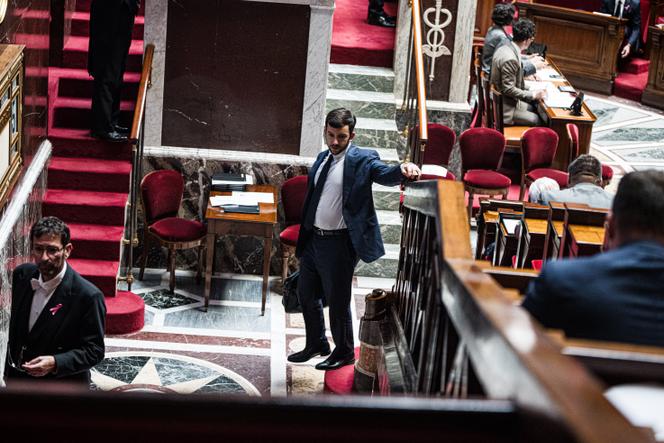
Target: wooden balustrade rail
[[459, 323]]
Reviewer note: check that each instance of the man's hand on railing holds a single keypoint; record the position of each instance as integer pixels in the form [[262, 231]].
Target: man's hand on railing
[[410, 171]]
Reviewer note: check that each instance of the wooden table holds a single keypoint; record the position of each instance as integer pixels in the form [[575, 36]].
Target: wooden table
[[558, 118], [226, 223]]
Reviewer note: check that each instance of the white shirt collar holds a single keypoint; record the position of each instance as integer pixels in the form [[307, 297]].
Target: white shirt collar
[[55, 281]]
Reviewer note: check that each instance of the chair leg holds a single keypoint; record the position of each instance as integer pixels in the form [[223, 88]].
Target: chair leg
[[470, 205], [171, 267], [146, 250], [284, 262], [199, 272]]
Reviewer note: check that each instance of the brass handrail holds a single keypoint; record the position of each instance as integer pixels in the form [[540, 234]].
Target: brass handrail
[[136, 138], [419, 75]]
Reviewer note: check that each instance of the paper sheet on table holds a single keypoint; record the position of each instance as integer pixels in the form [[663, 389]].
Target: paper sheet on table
[[260, 197], [511, 225], [434, 170], [548, 74], [220, 200], [533, 85], [559, 100]]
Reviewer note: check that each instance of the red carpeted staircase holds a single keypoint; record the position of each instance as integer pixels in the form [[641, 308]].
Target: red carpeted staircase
[[632, 79], [88, 179]]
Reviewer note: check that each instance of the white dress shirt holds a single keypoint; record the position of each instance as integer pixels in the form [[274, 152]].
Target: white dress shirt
[[43, 294], [328, 214]]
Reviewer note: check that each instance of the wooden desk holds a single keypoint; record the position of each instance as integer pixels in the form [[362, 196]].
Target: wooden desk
[[583, 44], [586, 240], [654, 93], [558, 118], [225, 223], [531, 241]]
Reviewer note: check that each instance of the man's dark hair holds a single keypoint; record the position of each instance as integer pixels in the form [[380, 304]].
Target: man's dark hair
[[340, 117], [522, 30], [638, 207], [503, 14], [585, 168], [51, 226]]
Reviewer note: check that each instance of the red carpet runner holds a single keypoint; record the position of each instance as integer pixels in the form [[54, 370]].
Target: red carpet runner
[[88, 179], [354, 42]]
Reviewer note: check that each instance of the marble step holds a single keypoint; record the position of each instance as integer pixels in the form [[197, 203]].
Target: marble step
[[360, 78], [384, 267], [390, 226], [364, 104], [386, 198], [379, 133]]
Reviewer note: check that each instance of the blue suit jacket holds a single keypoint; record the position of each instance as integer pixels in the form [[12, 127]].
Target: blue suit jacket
[[632, 13], [362, 167], [616, 296]]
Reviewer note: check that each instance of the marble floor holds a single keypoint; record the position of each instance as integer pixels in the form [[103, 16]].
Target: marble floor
[[231, 349]]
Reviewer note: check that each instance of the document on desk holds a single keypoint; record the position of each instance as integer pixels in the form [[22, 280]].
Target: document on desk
[[230, 200], [534, 85], [259, 197], [549, 74], [557, 99]]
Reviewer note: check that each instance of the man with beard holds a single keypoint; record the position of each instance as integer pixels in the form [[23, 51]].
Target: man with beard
[[339, 227], [56, 329]]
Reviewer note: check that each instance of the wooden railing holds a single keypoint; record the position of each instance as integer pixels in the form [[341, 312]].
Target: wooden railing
[[136, 138], [459, 334], [415, 96]]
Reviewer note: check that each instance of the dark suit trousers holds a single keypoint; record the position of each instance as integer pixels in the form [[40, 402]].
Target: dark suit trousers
[[376, 6], [112, 25], [326, 270]]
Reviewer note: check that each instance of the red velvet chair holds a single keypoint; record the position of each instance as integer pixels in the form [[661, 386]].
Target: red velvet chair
[[573, 135], [293, 192], [481, 154], [161, 193], [438, 150], [538, 149]]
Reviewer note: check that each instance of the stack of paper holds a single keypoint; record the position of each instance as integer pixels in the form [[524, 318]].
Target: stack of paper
[[245, 202], [231, 182]]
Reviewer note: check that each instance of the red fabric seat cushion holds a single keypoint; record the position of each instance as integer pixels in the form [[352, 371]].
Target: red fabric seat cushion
[[559, 176], [482, 178], [289, 235], [607, 172], [178, 229]]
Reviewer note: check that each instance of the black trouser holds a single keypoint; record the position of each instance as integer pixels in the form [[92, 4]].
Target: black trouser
[[326, 270], [110, 28], [376, 6]]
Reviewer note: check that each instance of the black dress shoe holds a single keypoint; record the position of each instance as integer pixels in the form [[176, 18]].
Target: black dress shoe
[[308, 354], [383, 20], [113, 136], [333, 363], [121, 129]]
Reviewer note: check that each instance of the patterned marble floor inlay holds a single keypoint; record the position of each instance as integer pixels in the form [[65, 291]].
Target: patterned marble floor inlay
[[163, 299], [159, 373]]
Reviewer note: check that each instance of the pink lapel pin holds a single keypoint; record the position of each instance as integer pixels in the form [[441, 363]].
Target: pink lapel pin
[[55, 308]]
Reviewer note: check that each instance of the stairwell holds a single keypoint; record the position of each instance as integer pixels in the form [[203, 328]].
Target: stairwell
[[88, 179]]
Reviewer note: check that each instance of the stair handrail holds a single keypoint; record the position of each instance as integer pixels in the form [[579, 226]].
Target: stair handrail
[[415, 94], [136, 138]]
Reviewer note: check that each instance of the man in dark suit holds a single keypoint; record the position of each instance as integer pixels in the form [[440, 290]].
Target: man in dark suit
[[617, 295], [56, 329], [111, 24], [339, 226], [631, 11]]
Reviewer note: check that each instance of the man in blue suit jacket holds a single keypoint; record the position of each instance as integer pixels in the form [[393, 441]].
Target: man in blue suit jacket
[[631, 11], [339, 226], [619, 295]]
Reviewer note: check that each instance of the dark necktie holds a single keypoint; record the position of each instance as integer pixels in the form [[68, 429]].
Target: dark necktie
[[309, 217]]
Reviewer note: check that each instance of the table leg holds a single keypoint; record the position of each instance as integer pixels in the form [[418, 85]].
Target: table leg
[[267, 249], [209, 261]]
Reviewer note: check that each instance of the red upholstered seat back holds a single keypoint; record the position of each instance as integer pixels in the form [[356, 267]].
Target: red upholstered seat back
[[481, 148], [293, 192], [573, 134], [162, 193], [440, 145], [538, 146]]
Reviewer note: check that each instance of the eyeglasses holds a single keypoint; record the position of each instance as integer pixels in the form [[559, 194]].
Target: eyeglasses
[[51, 251], [16, 367]]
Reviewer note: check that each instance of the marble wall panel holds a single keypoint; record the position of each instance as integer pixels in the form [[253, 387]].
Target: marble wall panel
[[235, 75], [27, 23], [233, 254]]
